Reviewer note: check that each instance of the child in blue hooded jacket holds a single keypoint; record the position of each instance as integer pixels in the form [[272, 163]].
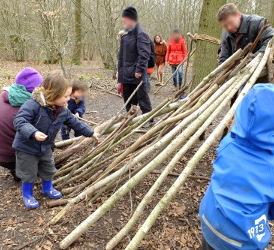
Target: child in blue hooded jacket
[[37, 124], [238, 203], [76, 105]]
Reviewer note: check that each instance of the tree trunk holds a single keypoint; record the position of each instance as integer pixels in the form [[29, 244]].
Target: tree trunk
[[272, 16], [207, 51], [76, 59]]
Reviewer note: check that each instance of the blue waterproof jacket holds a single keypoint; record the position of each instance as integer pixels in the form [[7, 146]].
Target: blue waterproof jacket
[[235, 210], [34, 116], [77, 106]]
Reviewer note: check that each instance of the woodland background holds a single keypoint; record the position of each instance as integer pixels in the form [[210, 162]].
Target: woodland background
[[50, 34], [68, 31]]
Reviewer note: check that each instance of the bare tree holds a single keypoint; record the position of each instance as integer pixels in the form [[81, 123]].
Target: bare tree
[[78, 33]]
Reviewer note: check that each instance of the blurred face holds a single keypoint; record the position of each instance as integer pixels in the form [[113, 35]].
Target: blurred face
[[61, 101], [78, 94], [128, 23], [158, 39], [232, 23], [176, 36]]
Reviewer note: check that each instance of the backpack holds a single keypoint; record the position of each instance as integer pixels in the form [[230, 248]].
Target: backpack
[[151, 61]]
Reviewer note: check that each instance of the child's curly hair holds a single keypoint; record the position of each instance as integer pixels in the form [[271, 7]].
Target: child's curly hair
[[54, 86]]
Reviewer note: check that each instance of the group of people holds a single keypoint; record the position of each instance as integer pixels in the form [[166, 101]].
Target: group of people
[[138, 55], [32, 111], [238, 203], [173, 54]]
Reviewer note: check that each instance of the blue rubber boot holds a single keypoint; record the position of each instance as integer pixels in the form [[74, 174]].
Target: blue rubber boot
[[48, 190], [28, 199]]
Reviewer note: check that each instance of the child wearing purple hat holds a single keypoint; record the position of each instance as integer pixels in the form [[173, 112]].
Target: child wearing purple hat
[[11, 99]]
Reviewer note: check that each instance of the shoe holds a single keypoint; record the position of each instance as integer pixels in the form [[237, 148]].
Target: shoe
[[149, 124], [48, 190], [28, 199], [175, 87], [161, 81], [15, 178]]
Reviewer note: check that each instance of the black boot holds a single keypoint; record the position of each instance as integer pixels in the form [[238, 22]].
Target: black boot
[[175, 86], [12, 172]]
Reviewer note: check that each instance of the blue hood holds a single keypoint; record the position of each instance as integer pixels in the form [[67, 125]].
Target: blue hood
[[254, 120], [240, 198]]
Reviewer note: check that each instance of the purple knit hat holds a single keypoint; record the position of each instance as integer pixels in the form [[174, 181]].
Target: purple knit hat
[[30, 78]]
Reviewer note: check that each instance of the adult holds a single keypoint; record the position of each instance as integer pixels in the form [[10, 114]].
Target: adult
[[240, 30], [176, 53], [160, 49], [11, 99], [238, 203], [133, 58]]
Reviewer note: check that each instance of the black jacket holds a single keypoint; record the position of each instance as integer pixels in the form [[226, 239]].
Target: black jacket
[[249, 30], [133, 56]]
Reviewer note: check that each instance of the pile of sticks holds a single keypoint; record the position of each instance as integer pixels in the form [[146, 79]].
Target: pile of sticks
[[126, 148]]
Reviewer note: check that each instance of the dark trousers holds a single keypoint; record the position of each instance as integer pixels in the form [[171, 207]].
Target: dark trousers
[[29, 167], [206, 246], [8, 165], [65, 131], [141, 97]]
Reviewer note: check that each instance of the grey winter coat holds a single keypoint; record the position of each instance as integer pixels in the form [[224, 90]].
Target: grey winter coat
[[247, 33]]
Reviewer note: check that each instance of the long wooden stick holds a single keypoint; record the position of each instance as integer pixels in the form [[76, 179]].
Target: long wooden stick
[[139, 210], [85, 120], [163, 142], [195, 159], [171, 148]]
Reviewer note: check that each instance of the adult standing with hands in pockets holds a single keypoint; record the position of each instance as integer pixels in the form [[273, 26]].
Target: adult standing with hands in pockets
[[134, 55]]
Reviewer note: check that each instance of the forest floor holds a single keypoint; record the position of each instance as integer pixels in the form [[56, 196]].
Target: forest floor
[[176, 228]]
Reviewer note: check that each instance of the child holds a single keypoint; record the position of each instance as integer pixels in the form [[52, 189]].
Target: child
[[10, 101], [160, 48], [238, 203], [76, 105], [37, 124]]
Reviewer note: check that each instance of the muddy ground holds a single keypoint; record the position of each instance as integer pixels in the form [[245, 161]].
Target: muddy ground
[[176, 228]]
